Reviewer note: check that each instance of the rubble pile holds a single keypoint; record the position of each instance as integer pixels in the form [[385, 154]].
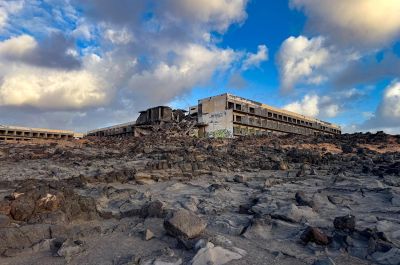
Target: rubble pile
[[170, 198]]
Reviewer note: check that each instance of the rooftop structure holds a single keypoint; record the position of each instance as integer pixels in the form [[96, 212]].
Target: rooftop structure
[[228, 115], [16, 133]]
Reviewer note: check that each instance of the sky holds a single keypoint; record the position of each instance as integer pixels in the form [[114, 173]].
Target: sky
[[81, 65]]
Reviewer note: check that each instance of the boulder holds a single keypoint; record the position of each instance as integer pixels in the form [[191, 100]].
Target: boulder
[[215, 255], [153, 209], [346, 149], [22, 208], [184, 224], [345, 223], [240, 178], [292, 213], [314, 234], [69, 249]]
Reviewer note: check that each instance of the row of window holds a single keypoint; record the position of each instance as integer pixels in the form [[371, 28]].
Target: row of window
[[284, 118], [258, 121], [239, 130]]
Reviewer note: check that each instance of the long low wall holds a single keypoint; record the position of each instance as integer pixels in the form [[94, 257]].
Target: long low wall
[[13, 133]]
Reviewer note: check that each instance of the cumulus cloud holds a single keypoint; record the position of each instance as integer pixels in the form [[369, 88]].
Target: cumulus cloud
[[52, 52], [386, 117], [216, 14], [193, 66], [50, 89], [388, 111], [255, 59], [360, 23], [85, 63], [298, 58], [314, 106]]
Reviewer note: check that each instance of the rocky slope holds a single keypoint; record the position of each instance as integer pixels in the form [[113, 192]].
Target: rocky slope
[[169, 199]]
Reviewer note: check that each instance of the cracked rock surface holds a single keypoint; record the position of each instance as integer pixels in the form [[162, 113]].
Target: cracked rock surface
[[169, 199]]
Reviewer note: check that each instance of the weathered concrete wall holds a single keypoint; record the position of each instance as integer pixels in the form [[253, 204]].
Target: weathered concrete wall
[[212, 104], [219, 124]]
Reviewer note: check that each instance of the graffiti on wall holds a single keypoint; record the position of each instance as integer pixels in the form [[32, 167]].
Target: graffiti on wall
[[222, 133], [219, 124]]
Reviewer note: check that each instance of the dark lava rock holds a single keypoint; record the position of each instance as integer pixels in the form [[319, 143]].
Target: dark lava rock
[[313, 234], [154, 209], [184, 224], [345, 223], [347, 149], [302, 199]]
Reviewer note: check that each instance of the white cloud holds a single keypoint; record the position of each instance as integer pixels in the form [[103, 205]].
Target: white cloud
[[51, 89], [255, 59], [307, 106], [387, 115], [82, 31], [218, 14], [7, 8], [362, 23], [142, 60], [390, 106], [23, 84], [298, 58], [195, 65], [315, 106], [122, 36], [17, 47]]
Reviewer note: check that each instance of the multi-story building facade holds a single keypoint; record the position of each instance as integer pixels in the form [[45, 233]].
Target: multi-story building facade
[[15, 133], [227, 115]]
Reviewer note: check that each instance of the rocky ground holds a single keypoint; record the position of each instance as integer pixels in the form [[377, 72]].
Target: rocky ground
[[169, 199]]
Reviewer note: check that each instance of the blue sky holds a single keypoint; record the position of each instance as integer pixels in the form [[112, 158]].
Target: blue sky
[[86, 64]]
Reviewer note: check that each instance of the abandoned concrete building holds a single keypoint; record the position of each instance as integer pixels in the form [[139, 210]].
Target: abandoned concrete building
[[146, 118], [227, 115], [14, 133]]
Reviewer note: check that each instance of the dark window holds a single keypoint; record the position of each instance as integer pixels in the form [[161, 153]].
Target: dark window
[[200, 110], [285, 118], [238, 118], [275, 116], [280, 117], [238, 107], [269, 114], [251, 110], [290, 119], [230, 105]]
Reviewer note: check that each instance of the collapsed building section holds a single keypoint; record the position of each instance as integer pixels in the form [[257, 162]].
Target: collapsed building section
[[143, 124], [227, 115], [14, 133]]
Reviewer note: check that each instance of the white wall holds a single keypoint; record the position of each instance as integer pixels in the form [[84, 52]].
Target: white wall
[[219, 124]]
